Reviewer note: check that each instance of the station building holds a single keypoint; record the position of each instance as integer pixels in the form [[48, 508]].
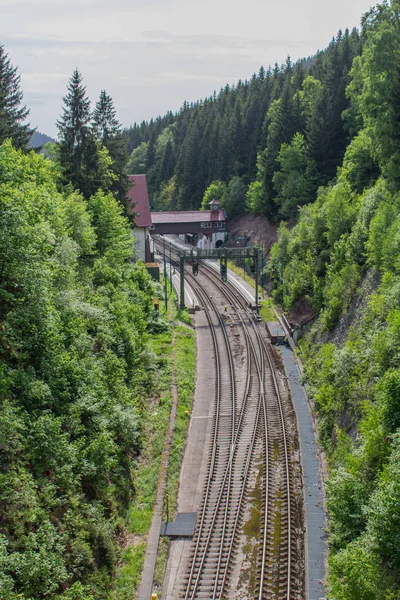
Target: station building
[[201, 228], [139, 198]]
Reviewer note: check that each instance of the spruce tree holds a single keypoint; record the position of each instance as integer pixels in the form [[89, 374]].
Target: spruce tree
[[74, 132], [107, 130], [12, 114], [105, 123]]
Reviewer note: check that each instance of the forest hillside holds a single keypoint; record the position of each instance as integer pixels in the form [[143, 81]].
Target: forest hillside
[[76, 372], [344, 255], [263, 145]]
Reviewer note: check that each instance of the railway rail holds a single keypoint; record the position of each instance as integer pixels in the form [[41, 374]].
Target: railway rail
[[239, 424]]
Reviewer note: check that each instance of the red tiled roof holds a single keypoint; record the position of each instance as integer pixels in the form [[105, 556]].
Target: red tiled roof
[[139, 197], [188, 216]]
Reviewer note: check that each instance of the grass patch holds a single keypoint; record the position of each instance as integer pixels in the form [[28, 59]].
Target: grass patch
[[129, 575], [174, 350], [241, 272], [184, 367], [140, 520], [146, 469], [267, 312], [183, 315]]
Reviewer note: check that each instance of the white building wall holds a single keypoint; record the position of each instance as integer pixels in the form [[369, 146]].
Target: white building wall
[[140, 233], [206, 243]]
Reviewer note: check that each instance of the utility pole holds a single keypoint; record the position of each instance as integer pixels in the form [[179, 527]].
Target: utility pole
[[165, 277], [256, 267], [182, 280], [262, 270], [170, 265]]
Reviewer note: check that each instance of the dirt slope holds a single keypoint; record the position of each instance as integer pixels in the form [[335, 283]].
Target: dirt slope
[[254, 228]]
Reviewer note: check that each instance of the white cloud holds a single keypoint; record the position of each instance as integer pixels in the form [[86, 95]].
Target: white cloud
[[150, 55]]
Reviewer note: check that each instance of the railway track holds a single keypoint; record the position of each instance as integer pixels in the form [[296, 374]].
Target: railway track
[[239, 424]]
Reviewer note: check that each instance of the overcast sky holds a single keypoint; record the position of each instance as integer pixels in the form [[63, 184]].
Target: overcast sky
[[151, 55]]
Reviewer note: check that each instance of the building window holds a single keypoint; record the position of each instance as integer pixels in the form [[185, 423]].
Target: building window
[[221, 224], [206, 225]]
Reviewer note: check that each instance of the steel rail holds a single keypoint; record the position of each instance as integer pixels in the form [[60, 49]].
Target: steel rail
[[224, 487], [233, 296], [260, 372], [215, 438]]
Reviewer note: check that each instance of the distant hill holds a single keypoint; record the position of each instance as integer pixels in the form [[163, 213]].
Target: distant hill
[[39, 139]]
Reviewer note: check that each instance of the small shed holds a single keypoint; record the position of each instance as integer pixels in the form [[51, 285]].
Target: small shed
[[275, 332], [153, 270]]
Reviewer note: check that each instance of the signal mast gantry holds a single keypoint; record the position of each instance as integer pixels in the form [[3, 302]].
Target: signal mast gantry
[[223, 255]]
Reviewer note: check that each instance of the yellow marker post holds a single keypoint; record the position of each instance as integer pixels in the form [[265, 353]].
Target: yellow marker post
[[154, 597]]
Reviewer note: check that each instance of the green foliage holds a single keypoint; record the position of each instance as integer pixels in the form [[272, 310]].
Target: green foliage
[[74, 315], [362, 168], [342, 244], [234, 198], [138, 159], [356, 573], [167, 198], [215, 191], [309, 96], [108, 132], [255, 198], [377, 95], [293, 179], [384, 511], [91, 153]]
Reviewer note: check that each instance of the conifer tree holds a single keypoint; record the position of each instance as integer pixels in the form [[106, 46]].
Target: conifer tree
[[108, 132], [105, 123], [85, 162], [12, 114], [74, 131]]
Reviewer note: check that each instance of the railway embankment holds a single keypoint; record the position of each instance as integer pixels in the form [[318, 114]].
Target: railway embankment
[[157, 474]]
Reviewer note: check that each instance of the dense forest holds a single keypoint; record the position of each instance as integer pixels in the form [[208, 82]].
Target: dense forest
[[264, 145], [342, 259], [314, 147], [75, 314]]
